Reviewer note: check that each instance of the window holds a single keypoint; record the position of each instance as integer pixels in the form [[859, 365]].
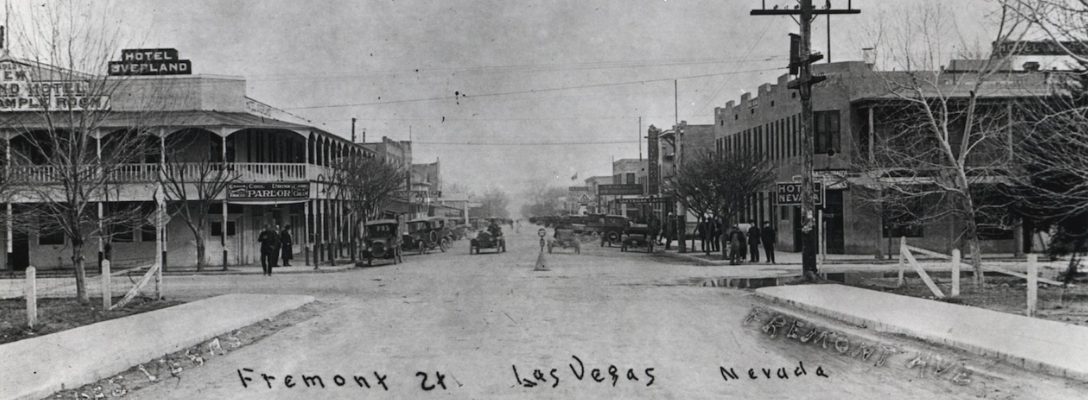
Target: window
[[826, 130], [630, 178], [48, 238], [217, 228]]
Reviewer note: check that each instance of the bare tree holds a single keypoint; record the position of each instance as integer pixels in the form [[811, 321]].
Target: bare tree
[[719, 185], [69, 145], [543, 199], [368, 185], [941, 137], [1053, 150], [493, 204], [192, 182]]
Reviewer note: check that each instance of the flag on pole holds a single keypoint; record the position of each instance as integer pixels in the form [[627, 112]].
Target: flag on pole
[[575, 177]]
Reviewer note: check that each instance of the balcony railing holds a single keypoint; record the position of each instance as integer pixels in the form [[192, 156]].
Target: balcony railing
[[137, 173]]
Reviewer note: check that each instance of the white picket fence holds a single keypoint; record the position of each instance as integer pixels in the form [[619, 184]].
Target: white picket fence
[[32, 291], [906, 256]]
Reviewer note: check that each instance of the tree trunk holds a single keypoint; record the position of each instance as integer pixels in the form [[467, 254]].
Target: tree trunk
[[81, 273], [201, 259], [971, 233]]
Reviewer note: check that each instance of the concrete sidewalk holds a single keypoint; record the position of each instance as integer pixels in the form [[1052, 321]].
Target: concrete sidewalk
[[36, 368], [1035, 344]]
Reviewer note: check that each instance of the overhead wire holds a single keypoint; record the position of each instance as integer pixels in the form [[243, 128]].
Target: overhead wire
[[465, 96]]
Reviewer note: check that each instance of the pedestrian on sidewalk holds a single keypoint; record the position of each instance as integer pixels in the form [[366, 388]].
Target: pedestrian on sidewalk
[[670, 227], [268, 238], [736, 245], [700, 230], [716, 235], [753, 242], [285, 246], [276, 247], [770, 237], [743, 241]]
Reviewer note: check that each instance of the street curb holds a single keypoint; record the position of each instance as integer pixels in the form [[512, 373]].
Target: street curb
[[37, 368], [1022, 362]]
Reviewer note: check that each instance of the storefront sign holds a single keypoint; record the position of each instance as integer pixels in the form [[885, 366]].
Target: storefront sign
[[150, 62], [644, 200], [652, 150], [19, 91], [262, 191], [619, 190], [789, 193]]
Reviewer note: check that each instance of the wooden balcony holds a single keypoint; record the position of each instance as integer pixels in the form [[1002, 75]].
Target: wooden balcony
[[142, 173]]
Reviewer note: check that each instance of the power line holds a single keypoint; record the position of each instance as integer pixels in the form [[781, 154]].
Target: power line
[[526, 143], [531, 91], [506, 68]]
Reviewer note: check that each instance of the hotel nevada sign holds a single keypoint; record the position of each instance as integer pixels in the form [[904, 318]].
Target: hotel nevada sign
[[21, 90], [150, 62]]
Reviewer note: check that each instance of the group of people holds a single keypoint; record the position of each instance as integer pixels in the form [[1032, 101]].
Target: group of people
[[275, 246], [713, 235]]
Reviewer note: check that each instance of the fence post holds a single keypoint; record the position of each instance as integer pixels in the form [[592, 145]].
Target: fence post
[[31, 295], [107, 294], [1033, 283], [902, 246], [955, 272]]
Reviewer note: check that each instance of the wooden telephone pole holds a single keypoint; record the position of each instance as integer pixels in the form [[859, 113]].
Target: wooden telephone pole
[[801, 59]]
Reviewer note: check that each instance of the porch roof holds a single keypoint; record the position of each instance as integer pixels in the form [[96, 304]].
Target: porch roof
[[22, 121]]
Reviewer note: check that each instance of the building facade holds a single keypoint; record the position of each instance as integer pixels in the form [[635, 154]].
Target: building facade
[[281, 169], [851, 109]]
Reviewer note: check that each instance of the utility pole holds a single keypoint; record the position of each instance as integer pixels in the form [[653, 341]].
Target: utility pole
[[801, 61], [352, 130]]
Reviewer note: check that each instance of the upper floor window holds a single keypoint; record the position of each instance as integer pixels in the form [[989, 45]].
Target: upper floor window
[[826, 129]]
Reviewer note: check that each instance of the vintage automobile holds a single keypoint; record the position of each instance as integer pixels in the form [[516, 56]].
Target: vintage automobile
[[382, 241], [422, 237], [484, 240], [608, 227], [445, 231], [638, 235], [565, 238]]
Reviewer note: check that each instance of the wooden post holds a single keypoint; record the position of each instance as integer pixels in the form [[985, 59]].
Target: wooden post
[[1033, 283], [31, 297], [955, 272], [107, 293], [902, 246]]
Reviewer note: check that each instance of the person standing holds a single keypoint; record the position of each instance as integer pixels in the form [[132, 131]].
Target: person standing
[[285, 246], [769, 238], [753, 242], [276, 247], [716, 235], [670, 227], [743, 241], [703, 233], [736, 245], [268, 240]]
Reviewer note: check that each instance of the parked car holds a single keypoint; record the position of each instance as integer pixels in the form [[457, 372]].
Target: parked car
[[445, 231], [485, 240], [421, 237], [382, 241], [609, 227], [637, 235]]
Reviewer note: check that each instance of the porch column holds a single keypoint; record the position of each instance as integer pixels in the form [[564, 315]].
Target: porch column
[[101, 241], [8, 239], [162, 209], [223, 208], [306, 232], [872, 134], [319, 230]]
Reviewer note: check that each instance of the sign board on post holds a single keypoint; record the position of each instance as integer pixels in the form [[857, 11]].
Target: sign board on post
[[654, 185], [789, 193], [619, 190]]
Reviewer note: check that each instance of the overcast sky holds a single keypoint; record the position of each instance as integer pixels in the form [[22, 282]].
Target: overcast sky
[[488, 86]]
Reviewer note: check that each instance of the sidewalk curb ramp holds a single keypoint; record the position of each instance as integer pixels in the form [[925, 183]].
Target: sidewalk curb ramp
[[1049, 347], [36, 368]]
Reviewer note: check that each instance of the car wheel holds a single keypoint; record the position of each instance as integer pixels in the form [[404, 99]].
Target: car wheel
[[445, 243], [503, 246], [613, 237]]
